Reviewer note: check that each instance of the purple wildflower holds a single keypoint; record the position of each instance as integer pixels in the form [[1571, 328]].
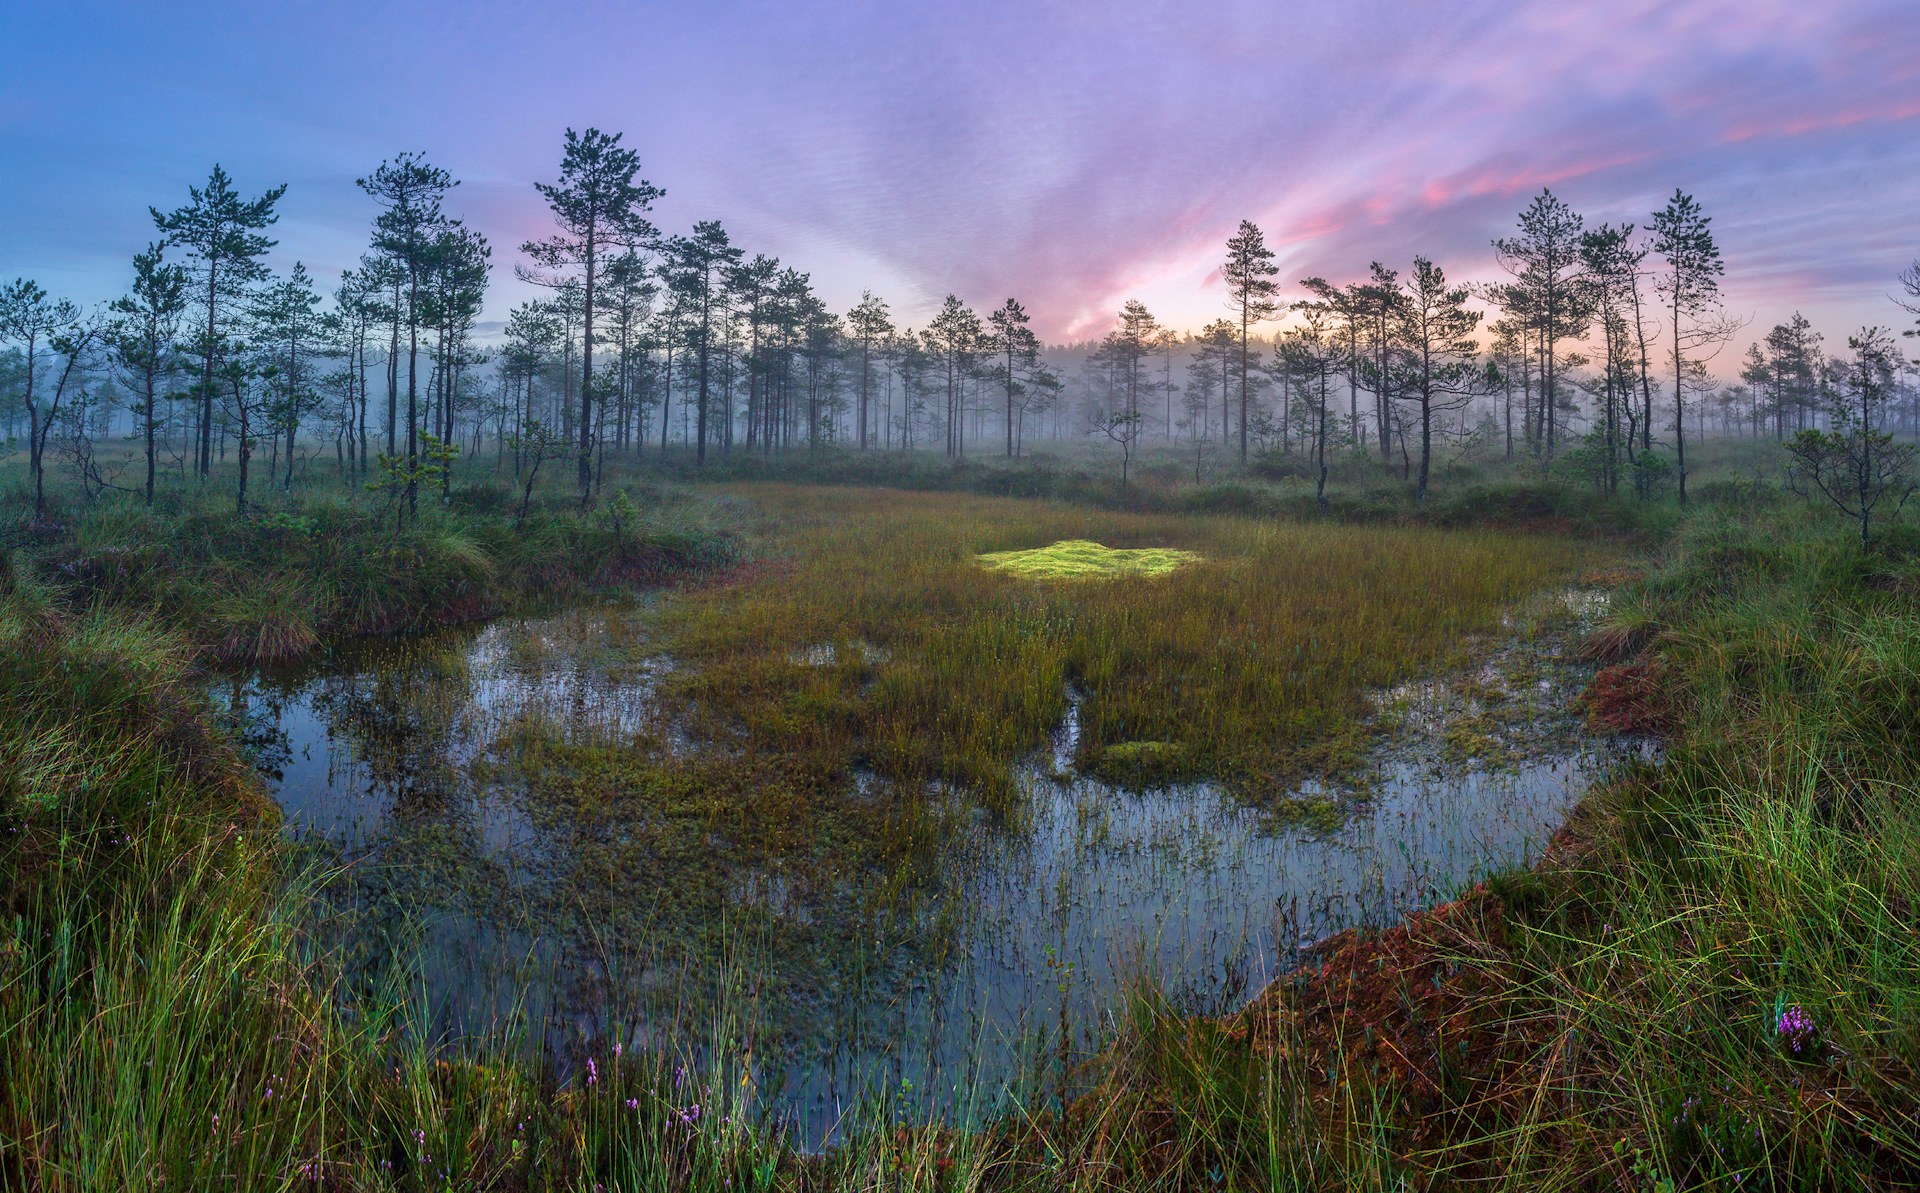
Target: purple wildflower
[[1795, 1026], [593, 1074]]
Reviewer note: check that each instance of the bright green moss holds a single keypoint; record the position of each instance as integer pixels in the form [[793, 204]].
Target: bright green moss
[[1076, 559]]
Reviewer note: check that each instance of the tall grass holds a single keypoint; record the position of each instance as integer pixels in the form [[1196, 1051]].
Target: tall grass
[[1713, 981]]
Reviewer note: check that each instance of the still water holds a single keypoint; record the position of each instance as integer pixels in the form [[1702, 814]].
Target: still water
[[500, 910]]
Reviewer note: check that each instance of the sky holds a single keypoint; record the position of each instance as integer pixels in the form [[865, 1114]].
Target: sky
[[1067, 153]]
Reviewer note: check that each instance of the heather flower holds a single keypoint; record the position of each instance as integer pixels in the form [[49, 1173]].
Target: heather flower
[[1795, 1027], [593, 1073]]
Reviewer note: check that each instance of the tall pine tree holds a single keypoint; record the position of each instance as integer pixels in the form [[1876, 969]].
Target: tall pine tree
[[221, 233], [1692, 288], [142, 335], [1251, 294], [598, 206]]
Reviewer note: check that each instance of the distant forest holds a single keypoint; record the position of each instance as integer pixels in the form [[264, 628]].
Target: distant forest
[[1602, 346]]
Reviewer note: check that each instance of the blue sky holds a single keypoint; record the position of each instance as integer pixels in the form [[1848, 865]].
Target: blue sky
[[1070, 154]]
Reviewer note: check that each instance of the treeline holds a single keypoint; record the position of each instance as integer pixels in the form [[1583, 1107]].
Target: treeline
[[1592, 358]]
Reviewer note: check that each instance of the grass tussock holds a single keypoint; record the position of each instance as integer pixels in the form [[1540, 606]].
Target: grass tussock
[[88, 698]]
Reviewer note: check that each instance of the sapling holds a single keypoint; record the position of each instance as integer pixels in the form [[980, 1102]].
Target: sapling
[[1855, 465]]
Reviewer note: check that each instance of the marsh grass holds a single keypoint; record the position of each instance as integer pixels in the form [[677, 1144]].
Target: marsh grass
[[171, 1014], [1618, 1016], [1611, 1018], [1250, 664]]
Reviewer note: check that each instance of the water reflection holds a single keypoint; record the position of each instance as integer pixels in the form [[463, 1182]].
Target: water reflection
[[510, 804]]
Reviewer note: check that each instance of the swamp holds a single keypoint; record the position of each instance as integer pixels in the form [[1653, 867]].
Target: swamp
[[646, 720], [897, 821], [780, 834]]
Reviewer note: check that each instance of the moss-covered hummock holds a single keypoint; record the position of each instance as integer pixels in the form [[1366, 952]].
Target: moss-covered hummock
[[1148, 763], [1081, 559]]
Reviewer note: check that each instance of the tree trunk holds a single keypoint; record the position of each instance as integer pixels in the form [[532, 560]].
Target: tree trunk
[[240, 405], [585, 476], [1679, 403], [206, 371], [149, 370], [413, 374]]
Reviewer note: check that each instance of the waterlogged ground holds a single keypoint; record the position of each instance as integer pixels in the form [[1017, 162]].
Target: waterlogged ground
[[914, 943]]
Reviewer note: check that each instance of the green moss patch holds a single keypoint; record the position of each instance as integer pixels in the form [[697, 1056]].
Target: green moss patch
[[1080, 559], [1314, 814], [1142, 762]]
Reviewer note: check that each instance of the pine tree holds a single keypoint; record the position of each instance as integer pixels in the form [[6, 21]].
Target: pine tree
[[286, 324], [1379, 301], [457, 285], [1312, 352], [1547, 292], [31, 319], [1251, 293], [599, 207], [697, 267], [408, 230], [1856, 465], [1611, 259], [142, 338], [1692, 288], [752, 285], [1436, 329], [1015, 350], [630, 292], [220, 231], [870, 326], [953, 337], [1348, 308]]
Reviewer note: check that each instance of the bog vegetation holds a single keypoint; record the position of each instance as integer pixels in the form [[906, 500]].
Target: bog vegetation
[[1709, 976], [1708, 981], [1070, 558], [1249, 664]]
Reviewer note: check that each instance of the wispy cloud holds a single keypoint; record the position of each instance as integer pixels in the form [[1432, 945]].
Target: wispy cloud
[[1070, 153]]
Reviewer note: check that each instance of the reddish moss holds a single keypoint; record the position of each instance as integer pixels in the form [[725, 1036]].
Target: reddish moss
[[1632, 697]]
